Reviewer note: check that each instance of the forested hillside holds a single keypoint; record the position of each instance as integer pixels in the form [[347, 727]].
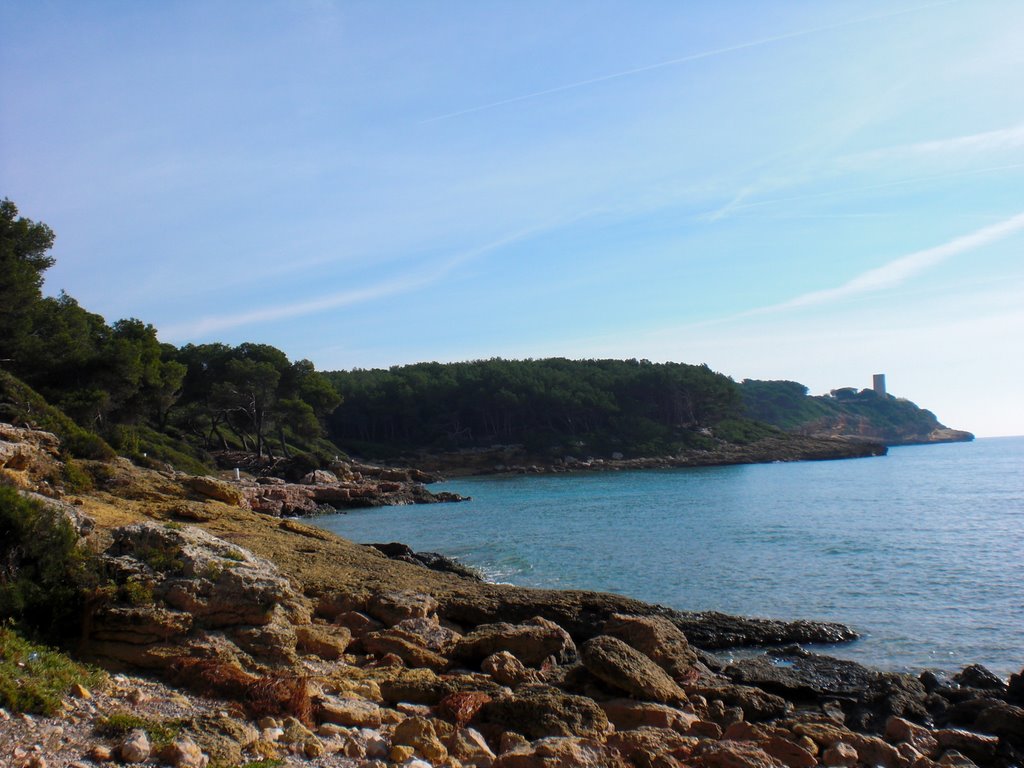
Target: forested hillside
[[104, 385], [552, 406], [114, 387], [847, 412]]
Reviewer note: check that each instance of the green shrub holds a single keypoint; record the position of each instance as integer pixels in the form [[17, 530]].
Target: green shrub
[[34, 678], [300, 465], [20, 404], [137, 592], [165, 559], [74, 478], [120, 724], [43, 571]]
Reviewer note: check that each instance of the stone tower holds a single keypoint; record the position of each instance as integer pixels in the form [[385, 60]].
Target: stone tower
[[878, 383]]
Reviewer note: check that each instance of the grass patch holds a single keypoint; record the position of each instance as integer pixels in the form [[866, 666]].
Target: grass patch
[[166, 559], [120, 724], [34, 678]]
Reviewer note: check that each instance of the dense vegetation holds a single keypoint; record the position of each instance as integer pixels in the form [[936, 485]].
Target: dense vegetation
[[44, 575], [115, 387], [787, 405], [551, 406], [101, 385]]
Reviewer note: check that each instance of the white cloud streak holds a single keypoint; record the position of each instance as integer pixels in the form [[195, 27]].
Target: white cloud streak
[[683, 60], [403, 284], [987, 141], [905, 267]]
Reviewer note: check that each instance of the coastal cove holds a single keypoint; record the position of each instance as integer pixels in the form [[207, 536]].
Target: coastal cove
[[919, 550]]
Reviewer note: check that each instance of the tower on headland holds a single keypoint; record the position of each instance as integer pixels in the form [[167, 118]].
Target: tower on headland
[[878, 383]]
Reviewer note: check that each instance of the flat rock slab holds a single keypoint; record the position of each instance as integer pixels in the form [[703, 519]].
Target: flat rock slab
[[802, 674]]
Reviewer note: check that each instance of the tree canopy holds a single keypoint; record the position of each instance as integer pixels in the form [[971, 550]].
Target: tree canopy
[[145, 397], [632, 406]]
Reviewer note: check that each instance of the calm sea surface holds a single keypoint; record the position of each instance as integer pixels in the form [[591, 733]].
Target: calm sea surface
[[922, 551]]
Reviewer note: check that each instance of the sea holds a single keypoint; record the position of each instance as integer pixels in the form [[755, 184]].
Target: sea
[[921, 551]]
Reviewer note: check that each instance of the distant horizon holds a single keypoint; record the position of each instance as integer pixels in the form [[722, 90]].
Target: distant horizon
[[802, 191]]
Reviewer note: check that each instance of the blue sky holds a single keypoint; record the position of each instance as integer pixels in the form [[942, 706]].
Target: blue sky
[[801, 190]]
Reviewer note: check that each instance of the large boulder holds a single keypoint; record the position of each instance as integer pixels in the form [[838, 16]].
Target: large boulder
[[647, 747], [559, 752], [219, 583], [658, 639], [755, 703], [177, 584], [537, 711], [406, 646], [215, 489], [532, 642], [29, 458], [626, 669], [394, 607]]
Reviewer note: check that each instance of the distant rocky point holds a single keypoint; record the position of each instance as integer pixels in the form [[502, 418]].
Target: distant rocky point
[[867, 414]]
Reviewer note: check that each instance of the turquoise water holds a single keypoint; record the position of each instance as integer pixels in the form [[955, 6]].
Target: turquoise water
[[922, 551]]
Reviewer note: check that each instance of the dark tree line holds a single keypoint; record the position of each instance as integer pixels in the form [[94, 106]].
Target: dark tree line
[[630, 405], [119, 381]]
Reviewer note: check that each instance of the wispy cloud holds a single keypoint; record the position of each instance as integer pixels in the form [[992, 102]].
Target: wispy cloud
[[905, 267], [399, 285], [1001, 139], [684, 59], [738, 202]]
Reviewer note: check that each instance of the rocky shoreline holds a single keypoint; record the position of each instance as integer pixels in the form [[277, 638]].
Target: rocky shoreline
[[242, 636], [514, 459]]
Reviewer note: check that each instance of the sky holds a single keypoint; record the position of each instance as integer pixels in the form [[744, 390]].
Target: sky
[[783, 190]]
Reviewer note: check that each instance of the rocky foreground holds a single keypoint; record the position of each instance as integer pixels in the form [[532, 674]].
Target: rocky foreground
[[235, 635]]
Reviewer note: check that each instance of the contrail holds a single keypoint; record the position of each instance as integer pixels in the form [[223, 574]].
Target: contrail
[[734, 205], [684, 59]]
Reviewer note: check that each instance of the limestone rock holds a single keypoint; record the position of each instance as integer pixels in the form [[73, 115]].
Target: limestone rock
[[755, 703], [430, 633], [327, 642], [531, 642], [136, 747], [788, 752], [319, 477], [978, 747], [394, 607], [216, 489], [732, 754], [558, 752], [469, 747], [898, 730], [643, 746], [184, 753], [626, 714], [29, 457], [954, 758], [623, 667], [419, 733], [349, 712], [537, 711], [357, 623], [404, 645], [658, 639], [219, 583], [507, 669], [840, 755]]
